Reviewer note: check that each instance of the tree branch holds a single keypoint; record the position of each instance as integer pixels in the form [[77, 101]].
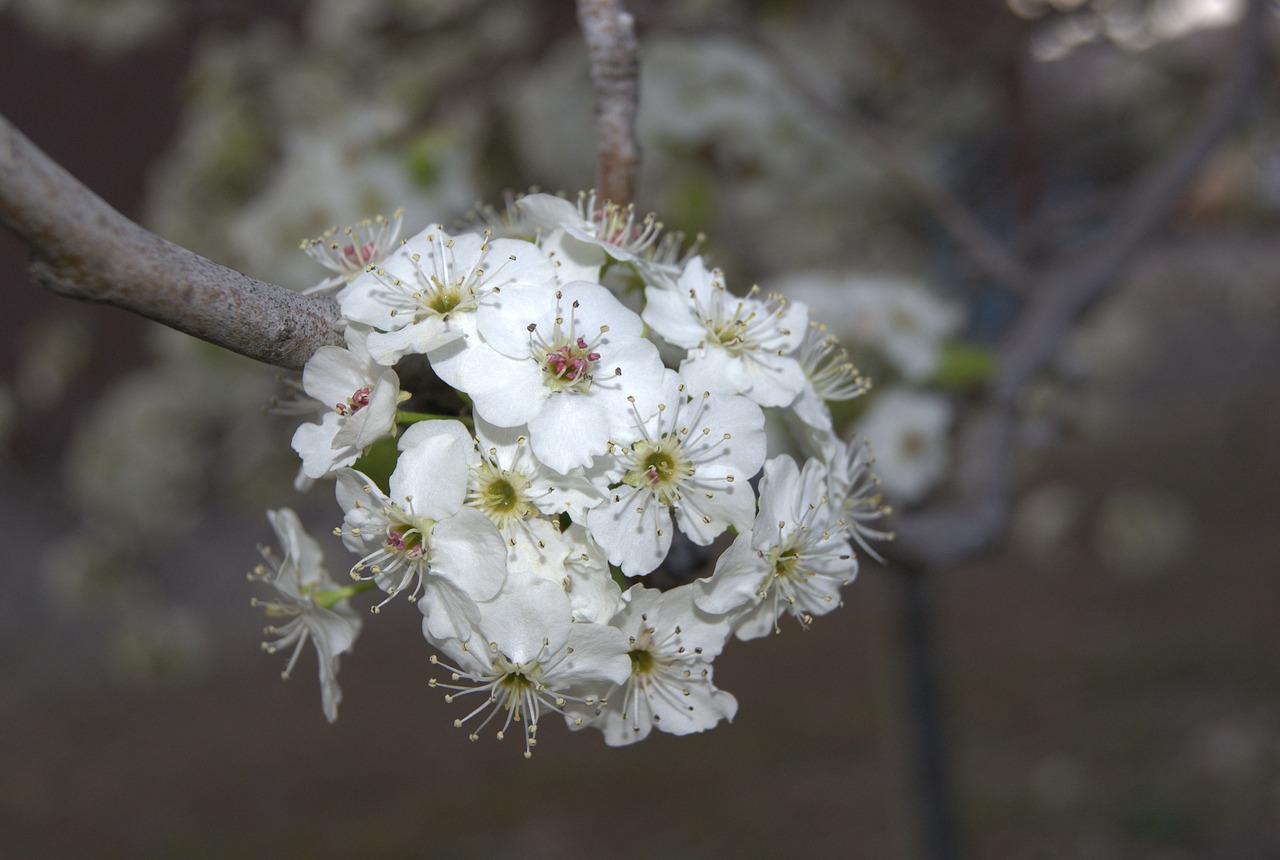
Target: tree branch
[[84, 249], [1060, 297], [615, 69]]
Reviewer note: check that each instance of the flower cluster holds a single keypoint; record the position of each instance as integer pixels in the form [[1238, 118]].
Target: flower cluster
[[612, 438]]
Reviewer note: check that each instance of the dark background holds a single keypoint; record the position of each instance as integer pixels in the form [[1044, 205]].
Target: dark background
[[1093, 708]]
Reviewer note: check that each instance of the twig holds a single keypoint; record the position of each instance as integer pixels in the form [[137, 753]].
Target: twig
[[977, 518], [84, 249], [612, 51]]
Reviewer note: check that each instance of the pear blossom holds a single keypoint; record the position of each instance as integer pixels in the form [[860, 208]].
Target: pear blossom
[[795, 559], [670, 688], [589, 434], [527, 656], [421, 534], [736, 344], [362, 245], [855, 491], [829, 375], [521, 497], [424, 295], [613, 228], [561, 361], [359, 398], [691, 457], [316, 607]]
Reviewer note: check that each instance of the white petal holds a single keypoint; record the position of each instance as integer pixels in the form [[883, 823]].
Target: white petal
[[432, 470], [569, 432]]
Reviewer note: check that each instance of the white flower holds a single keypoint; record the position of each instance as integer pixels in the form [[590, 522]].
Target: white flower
[[794, 560], [360, 399], [672, 646], [737, 345], [854, 490], [561, 361], [909, 432], [316, 607], [521, 496], [360, 246], [693, 457], [422, 535], [422, 298], [613, 228], [528, 655], [829, 375]]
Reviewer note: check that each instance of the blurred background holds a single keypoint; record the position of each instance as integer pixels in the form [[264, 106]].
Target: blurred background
[[1108, 680]]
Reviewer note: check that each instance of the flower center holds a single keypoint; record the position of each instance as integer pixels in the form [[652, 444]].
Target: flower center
[[500, 495], [572, 361], [356, 402], [729, 333], [642, 661], [619, 225], [360, 257], [786, 563], [660, 466], [441, 298], [406, 538], [568, 359], [516, 684]]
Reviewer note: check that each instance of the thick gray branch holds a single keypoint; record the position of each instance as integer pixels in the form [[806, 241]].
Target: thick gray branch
[[84, 249], [615, 70], [950, 533]]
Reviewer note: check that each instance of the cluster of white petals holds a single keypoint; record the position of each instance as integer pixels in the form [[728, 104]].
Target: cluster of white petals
[[532, 528]]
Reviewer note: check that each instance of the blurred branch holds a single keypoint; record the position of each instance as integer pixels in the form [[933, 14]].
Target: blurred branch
[[988, 253], [84, 249], [615, 70], [1058, 298]]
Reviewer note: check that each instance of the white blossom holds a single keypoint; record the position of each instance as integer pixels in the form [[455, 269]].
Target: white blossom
[[593, 594], [359, 398], [691, 457], [359, 246], [670, 688], [423, 296], [561, 361], [736, 344], [577, 455], [421, 537], [614, 229], [527, 656], [794, 560], [829, 375], [854, 491], [317, 609]]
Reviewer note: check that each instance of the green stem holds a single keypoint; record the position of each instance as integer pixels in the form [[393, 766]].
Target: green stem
[[405, 417], [327, 598]]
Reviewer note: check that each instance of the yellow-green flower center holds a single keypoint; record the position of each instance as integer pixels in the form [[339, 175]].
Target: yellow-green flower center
[[659, 466], [500, 495], [642, 661]]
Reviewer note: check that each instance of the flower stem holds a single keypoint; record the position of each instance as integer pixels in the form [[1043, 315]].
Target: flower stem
[[327, 598], [405, 417]]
